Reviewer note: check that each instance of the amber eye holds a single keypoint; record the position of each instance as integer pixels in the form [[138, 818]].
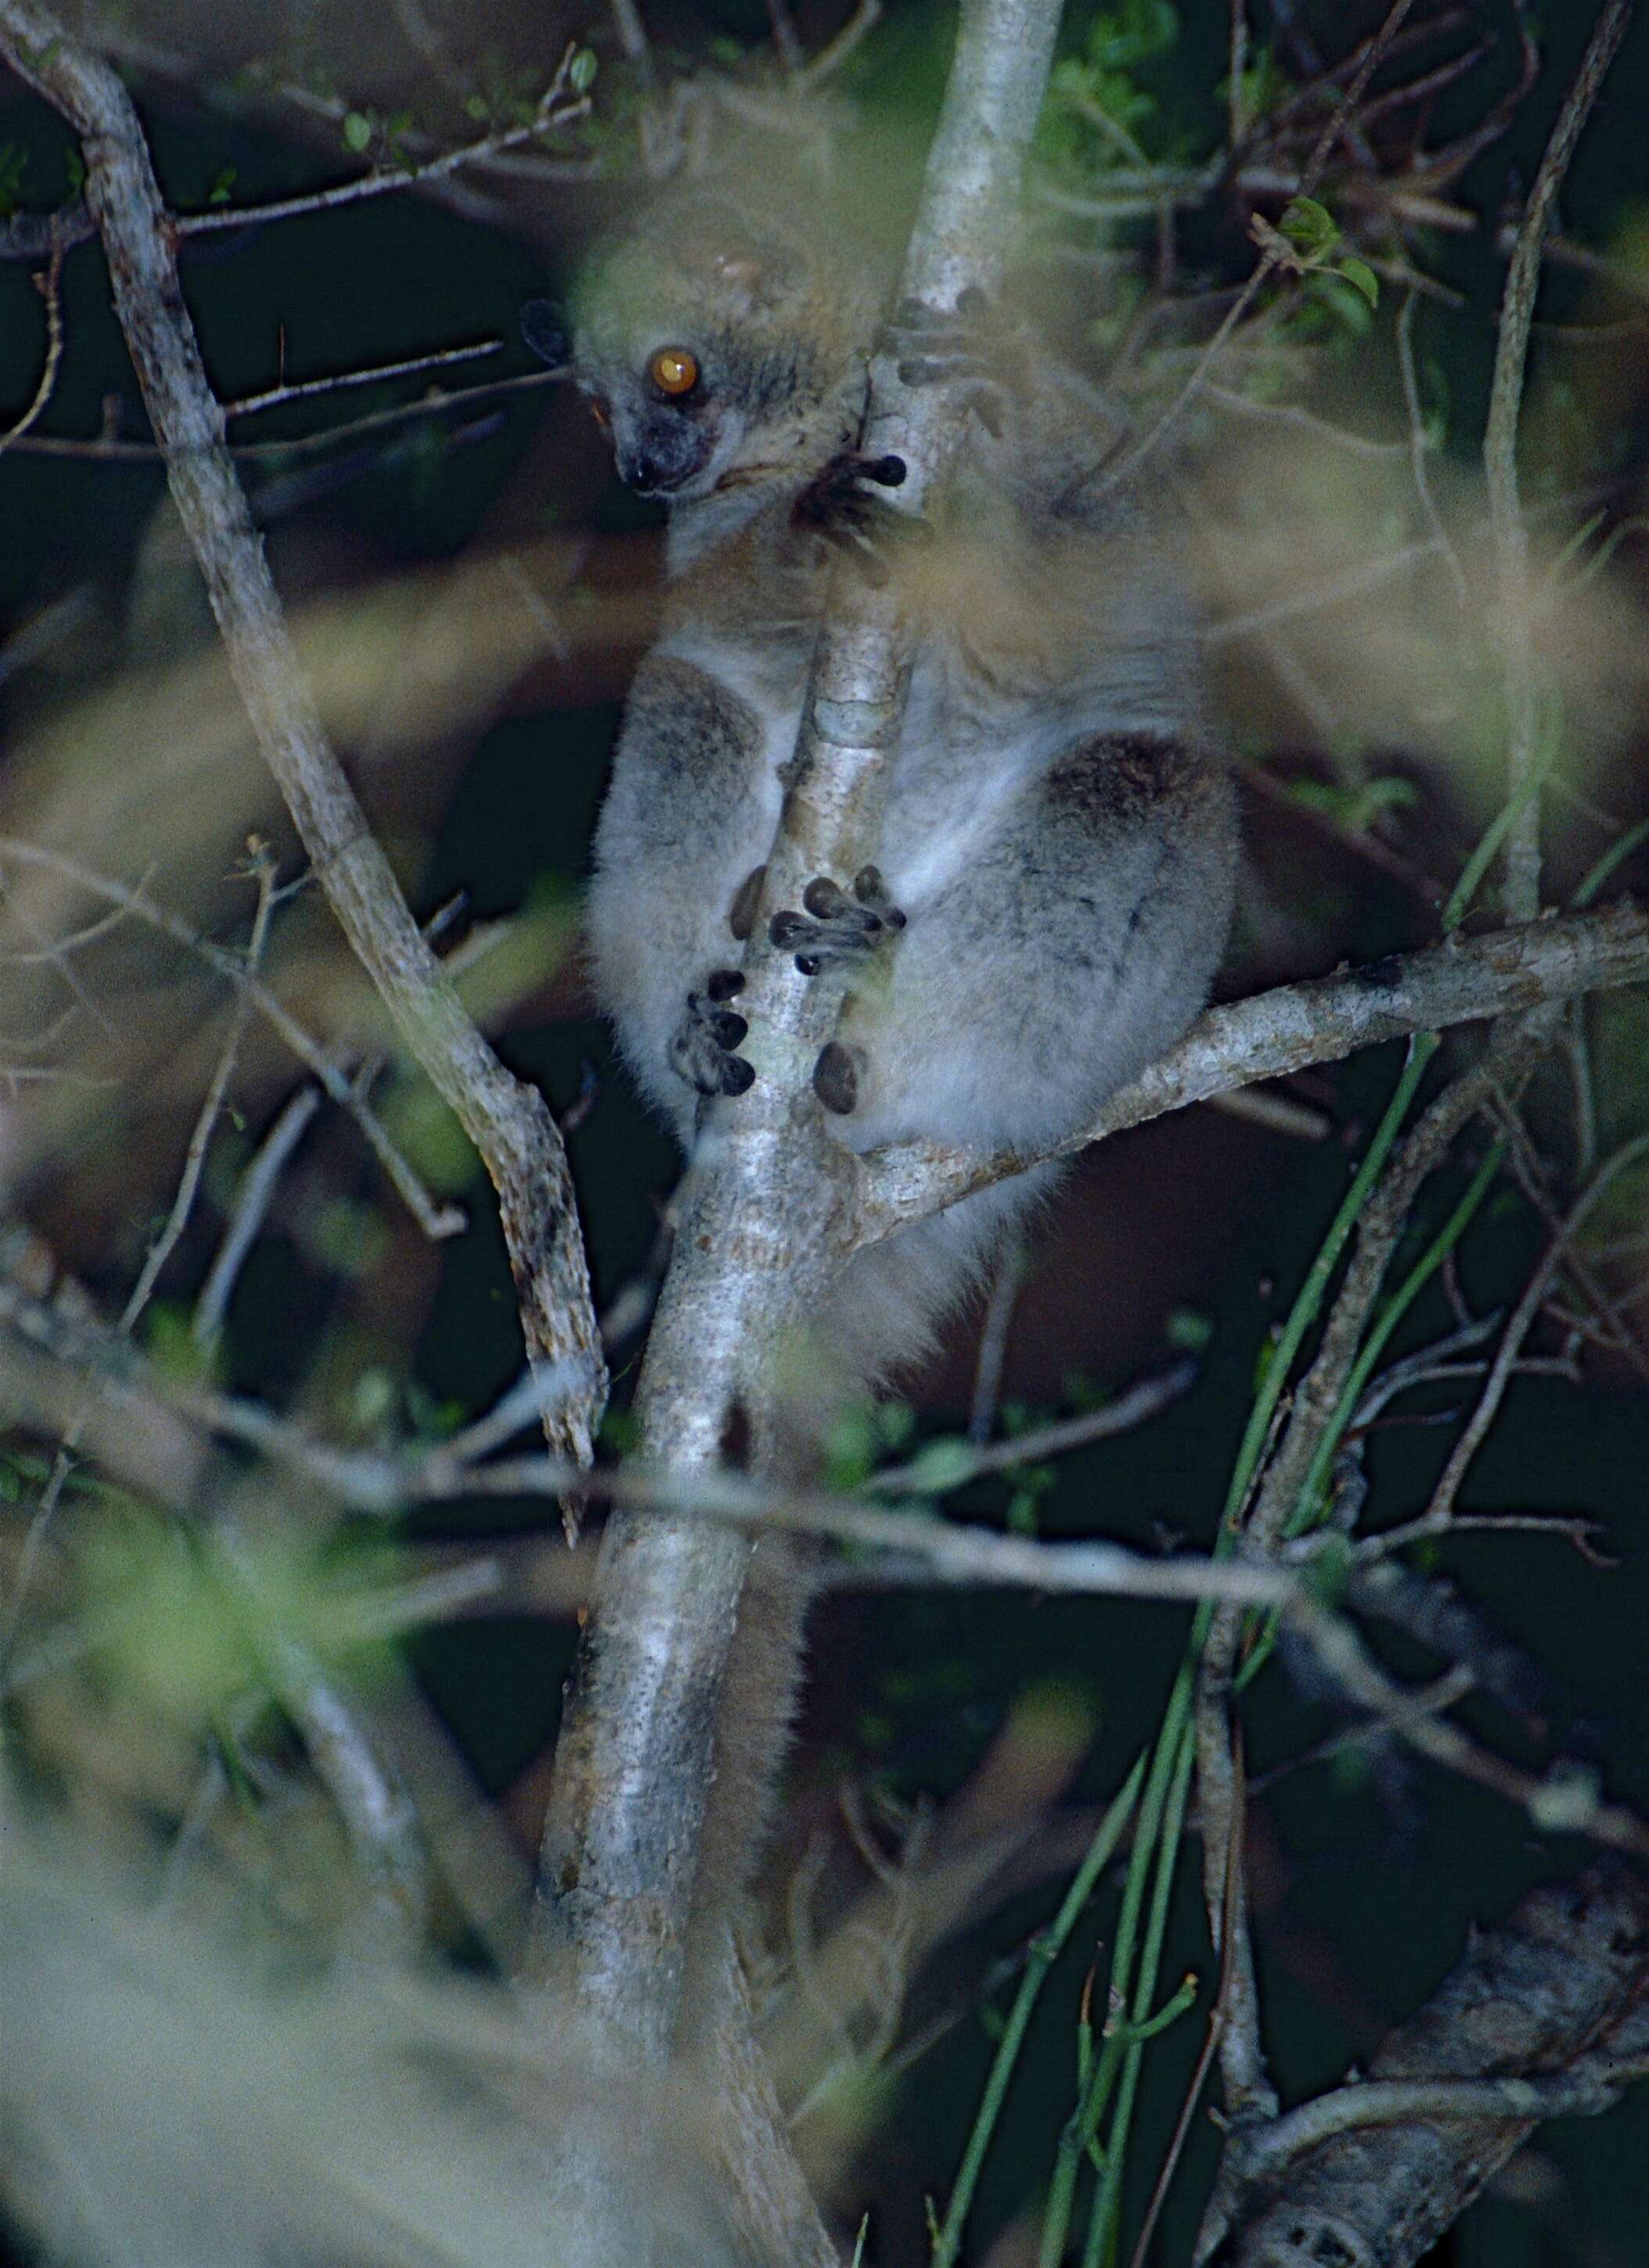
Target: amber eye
[[673, 370], [598, 410]]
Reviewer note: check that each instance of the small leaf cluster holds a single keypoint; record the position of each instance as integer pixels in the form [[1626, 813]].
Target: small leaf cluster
[[1305, 241], [1104, 82]]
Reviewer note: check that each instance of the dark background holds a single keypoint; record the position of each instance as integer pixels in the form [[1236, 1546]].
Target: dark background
[[1367, 1871]]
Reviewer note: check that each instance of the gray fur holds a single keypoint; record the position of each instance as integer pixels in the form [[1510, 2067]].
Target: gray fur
[[1056, 833]]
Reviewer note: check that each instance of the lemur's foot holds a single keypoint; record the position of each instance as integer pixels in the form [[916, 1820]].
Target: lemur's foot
[[703, 1050], [837, 929], [842, 509], [972, 347]]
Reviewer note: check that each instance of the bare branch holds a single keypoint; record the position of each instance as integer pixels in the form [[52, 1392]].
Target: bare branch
[[1543, 2016], [205, 1124], [1291, 1027], [762, 1232], [51, 287], [1521, 896], [510, 1123], [276, 397], [247, 1215], [551, 112]]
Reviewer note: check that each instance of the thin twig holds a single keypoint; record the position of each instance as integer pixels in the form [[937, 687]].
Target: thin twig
[[206, 1122], [1419, 447], [1128, 461], [51, 289], [436, 1220], [509, 1123], [252, 1201], [276, 397], [1521, 892], [1438, 1513], [1139, 1404], [993, 1343], [389, 180]]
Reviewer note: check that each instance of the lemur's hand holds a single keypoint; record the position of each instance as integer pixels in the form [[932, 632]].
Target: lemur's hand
[[841, 510], [976, 350]]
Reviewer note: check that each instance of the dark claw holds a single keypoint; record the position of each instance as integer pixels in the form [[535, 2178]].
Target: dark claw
[[722, 983], [823, 897], [870, 889], [836, 1080], [737, 1075]]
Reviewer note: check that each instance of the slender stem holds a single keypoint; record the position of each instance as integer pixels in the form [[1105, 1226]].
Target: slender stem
[[509, 1123], [1521, 895], [1045, 1951], [762, 1233]]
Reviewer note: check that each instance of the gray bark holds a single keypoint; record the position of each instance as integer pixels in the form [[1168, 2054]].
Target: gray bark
[[764, 1226]]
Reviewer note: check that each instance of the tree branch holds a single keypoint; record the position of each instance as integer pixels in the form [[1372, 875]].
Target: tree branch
[[764, 1226], [1521, 895], [509, 1123], [1546, 2015], [1290, 1028]]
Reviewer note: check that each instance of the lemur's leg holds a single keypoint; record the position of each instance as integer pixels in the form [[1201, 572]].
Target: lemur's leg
[[1072, 944], [690, 810]]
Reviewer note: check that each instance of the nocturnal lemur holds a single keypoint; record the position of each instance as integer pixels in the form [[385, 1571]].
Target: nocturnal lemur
[[1053, 883]]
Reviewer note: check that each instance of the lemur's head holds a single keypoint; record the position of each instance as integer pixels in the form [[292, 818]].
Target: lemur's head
[[717, 352]]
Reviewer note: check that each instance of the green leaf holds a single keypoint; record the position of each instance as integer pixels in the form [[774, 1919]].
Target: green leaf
[[1136, 33], [582, 69], [1356, 807], [358, 131], [1348, 307], [219, 193], [172, 1345], [1022, 1518], [1361, 277], [1309, 226]]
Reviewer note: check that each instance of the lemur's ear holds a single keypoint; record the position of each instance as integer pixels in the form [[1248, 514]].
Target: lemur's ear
[[545, 333]]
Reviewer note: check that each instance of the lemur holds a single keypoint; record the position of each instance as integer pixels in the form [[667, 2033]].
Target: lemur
[[1053, 883]]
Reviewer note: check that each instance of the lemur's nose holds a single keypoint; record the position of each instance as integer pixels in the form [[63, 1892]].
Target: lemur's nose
[[656, 463]]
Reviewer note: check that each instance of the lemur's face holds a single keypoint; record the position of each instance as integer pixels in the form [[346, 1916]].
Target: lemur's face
[[701, 349]]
